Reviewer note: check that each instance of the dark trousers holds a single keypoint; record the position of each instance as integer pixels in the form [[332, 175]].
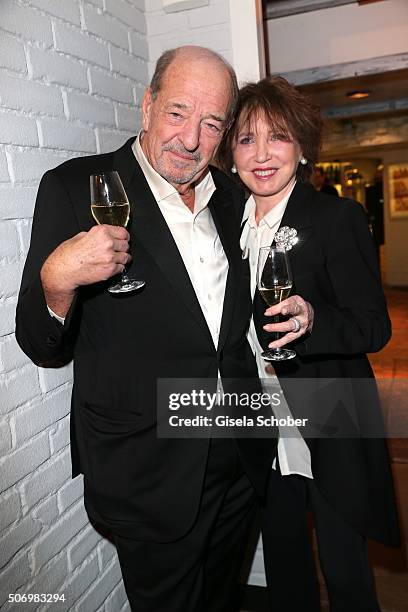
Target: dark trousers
[[199, 572], [289, 564]]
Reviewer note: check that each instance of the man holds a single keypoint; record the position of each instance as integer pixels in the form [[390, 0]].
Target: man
[[178, 509], [322, 183], [374, 202]]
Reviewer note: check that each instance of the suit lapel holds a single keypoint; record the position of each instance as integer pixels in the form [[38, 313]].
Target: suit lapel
[[149, 228], [227, 227], [297, 215]]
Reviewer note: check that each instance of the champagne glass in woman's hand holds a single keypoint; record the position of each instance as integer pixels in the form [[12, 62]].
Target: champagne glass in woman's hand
[[274, 282], [110, 205]]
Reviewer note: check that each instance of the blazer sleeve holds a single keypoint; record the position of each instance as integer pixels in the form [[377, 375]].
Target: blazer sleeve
[[354, 319], [39, 335]]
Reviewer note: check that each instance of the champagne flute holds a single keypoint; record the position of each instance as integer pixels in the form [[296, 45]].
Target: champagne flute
[[274, 282], [110, 205]]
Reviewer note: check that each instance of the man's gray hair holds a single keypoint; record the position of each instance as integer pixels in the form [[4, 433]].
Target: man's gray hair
[[170, 55]]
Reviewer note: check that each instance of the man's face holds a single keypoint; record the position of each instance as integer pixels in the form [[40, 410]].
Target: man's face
[[184, 124], [318, 178]]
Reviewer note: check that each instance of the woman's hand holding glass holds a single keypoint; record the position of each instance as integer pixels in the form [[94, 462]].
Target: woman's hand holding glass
[[301, 319], [274, 282]]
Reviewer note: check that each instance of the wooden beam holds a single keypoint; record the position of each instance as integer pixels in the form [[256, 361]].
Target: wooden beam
[[284, 8], [369, 108], [373, 65], [351, 135]]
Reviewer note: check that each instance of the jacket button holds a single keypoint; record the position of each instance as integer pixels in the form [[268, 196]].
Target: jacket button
[[51, 340]]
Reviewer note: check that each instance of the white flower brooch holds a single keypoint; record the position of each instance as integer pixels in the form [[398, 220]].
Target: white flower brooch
[[286, 237]]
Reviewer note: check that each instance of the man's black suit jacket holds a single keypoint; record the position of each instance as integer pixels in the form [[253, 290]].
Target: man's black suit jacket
[[137, 484], [335, 268]]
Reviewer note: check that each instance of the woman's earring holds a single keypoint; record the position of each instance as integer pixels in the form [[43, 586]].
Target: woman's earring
[[234, 169], [303, 161]]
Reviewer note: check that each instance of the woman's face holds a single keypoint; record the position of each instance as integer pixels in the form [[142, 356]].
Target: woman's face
[[265, 160]]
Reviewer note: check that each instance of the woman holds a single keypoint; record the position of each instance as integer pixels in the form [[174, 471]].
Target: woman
[[336, 314]]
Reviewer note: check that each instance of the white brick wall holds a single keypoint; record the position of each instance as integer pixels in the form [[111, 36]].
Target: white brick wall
[[208, 26], [70, 73], [12, 54]]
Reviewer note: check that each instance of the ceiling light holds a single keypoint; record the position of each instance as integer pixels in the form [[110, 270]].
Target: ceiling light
[[358, 94]]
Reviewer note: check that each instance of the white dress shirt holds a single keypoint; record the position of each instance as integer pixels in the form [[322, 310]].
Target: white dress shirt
[[293, 452], [196, 238]]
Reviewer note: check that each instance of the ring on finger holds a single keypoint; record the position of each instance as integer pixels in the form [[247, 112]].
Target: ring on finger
[[296, 323]]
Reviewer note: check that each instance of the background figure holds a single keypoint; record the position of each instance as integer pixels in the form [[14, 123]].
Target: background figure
[[336, 314], [178, 509], [374, 202], [322, 183]]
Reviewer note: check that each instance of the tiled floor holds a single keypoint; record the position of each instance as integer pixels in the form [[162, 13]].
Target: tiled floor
[[391, 369]]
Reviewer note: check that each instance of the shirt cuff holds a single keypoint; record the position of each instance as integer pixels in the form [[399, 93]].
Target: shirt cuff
[[55, 316]]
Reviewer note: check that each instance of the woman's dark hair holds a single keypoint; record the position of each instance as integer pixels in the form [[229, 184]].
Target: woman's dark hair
[[289, 112]]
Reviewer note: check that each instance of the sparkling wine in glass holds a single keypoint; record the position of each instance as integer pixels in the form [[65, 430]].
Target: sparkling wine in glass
[[110, 205], [274, 282]]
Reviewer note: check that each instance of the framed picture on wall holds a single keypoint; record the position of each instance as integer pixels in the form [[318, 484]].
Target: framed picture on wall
[[398, 189]]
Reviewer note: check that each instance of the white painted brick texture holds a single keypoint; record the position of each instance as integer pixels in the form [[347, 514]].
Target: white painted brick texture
[[10, 509], [102, 82], [81, 580], [59, 436], [105, 27], [4, 171], [68, 11], [84, 107], [208, 26], [19, 131], [116, 600], [14, 576], [53, 67], [129, 14], [99, 592], [11, 356], [82, 546], [12, 54], [10, 276], [69, 73], [26, 22], [17, 203], [6, 443], [7, 316]]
